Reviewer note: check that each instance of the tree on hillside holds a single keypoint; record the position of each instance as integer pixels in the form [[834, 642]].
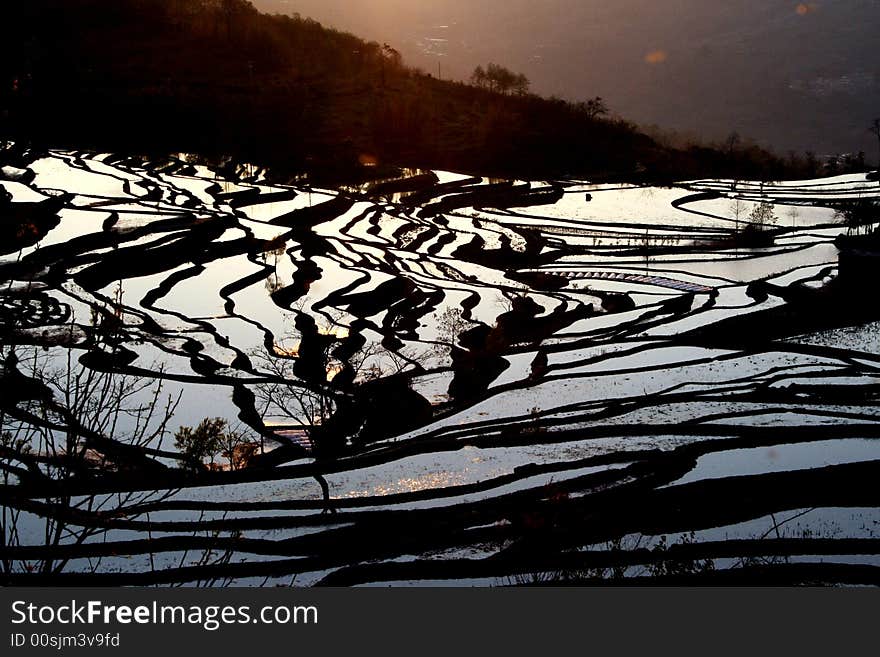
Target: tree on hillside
[[731, 143], [811, 163], [478, 77], [875, 130], [231, 11], [391, 58], [593, 108], [521, 85], [500, 79]]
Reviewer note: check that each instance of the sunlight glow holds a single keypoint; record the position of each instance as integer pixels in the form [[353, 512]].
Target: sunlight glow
[[656, 57]]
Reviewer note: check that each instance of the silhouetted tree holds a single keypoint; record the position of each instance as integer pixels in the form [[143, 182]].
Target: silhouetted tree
[[230, 12], [500, 79], [858, 214], [875, 130], [732, 141], [763, 215], [593, 108], [812, 163], [478, 78], [389, 57], [205, 441]]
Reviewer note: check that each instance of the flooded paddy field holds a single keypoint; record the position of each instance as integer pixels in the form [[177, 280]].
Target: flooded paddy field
[[210, 377]]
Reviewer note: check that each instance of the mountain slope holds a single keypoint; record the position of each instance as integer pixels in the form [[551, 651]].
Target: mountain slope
[[218, 77], [793, 75]]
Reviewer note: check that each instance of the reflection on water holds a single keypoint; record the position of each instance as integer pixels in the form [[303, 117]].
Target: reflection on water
[[487, 357]]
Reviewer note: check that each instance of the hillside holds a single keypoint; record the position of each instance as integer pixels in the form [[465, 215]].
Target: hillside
[[793, 76], [219, 78]]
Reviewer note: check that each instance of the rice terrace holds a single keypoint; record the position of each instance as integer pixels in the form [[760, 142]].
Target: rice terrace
[[279, 309], [212, 378]]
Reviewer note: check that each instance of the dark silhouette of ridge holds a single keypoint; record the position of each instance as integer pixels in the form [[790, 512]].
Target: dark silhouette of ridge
[[219, 78]]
